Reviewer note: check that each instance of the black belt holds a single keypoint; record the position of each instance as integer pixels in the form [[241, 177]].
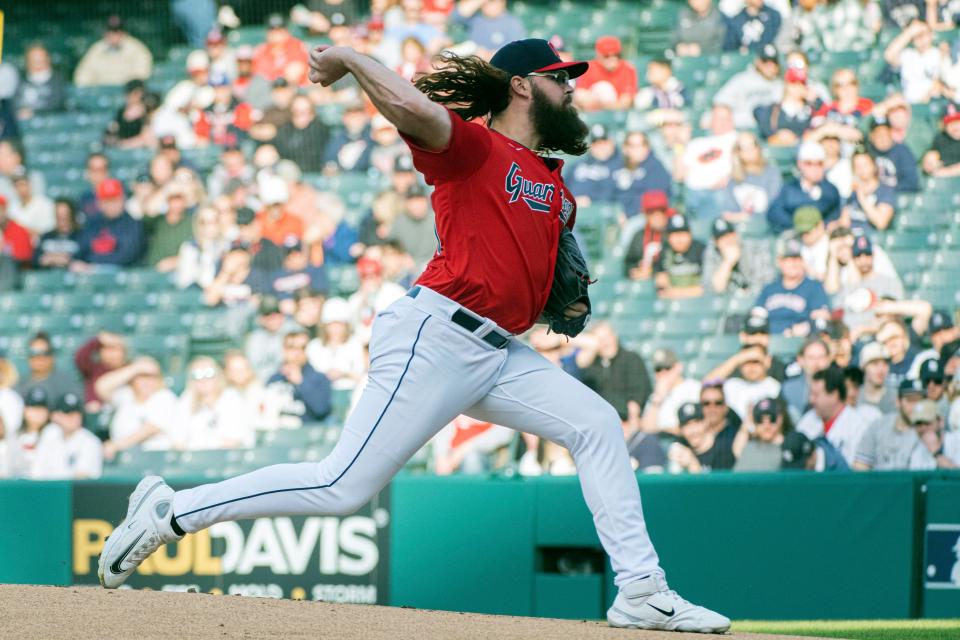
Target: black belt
[[470, 323]]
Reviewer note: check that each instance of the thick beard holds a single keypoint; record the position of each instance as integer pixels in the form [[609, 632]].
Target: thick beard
[[559, 127]]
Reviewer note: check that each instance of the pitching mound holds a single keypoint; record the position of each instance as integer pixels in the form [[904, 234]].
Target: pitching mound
[[28, 612]]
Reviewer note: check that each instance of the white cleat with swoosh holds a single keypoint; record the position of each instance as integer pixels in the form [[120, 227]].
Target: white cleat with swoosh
[[650, 604]]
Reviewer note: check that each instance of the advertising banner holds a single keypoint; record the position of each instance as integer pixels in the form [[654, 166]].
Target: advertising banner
[[335, 559]]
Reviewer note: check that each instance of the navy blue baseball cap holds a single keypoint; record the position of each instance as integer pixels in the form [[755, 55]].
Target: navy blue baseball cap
[[862, 246], [721, 227], [940, 321], [533, 55]]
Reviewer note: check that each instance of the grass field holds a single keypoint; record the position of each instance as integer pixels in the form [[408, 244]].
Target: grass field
[[859, 629]]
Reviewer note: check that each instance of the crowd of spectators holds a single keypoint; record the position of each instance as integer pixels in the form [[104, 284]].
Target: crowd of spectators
[[875, 383]]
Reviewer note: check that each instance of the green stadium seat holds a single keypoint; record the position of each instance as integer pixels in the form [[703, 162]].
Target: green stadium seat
[[176, 300], [114, 322], [170, 350], [70, 301], [784, 346], [161, 323], [45, 281], [12, 303], [685, 327], [721, 346], [122, 302]]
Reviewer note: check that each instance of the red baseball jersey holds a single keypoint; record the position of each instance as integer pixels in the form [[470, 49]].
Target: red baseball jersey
[[499, 208]]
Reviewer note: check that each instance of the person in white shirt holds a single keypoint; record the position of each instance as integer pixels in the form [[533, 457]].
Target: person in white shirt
[[144, 408], [830, 416], [920, 65], [937, 449], [33, 211], [372, 296], [707, 165], [36, 416], [337, 353], [209, 415], [11, 404], [67, 451], [242, 379], [670, 390]]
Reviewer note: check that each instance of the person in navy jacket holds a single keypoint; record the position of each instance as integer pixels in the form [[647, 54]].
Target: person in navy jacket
[[756, 26], [112, 238], [811, 188], [309, 390]]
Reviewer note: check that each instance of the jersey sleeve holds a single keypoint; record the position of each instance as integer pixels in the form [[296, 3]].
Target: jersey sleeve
[[468, 149]]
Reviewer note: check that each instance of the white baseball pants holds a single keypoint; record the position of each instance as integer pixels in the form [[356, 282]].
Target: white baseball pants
[[424, 371]]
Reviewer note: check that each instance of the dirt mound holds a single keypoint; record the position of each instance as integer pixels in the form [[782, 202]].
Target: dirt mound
[[90, 613]]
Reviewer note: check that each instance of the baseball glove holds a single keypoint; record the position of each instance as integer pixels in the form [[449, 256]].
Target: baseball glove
[[570, 282]]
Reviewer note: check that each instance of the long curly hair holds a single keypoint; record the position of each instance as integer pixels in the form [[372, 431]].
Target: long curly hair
[[467, 85]]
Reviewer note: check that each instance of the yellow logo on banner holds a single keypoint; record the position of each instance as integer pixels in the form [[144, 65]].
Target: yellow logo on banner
[[191, 555]]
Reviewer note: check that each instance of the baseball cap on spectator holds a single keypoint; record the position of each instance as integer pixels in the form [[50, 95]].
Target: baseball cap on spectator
[[879, 121], [109, 189], [375, 24], [215, 37], [533, 55], [37, 397], [655, 200], [664, 359], [269, 305], [275, 21], [940, 321], [279, 83], [598, 132], [688, 412], [789, 247], [924, 412], [244, 52], [872, 351], [795, 451], [369, 267], [810, 151], [769, 53], [765, 408], [114, 23], [608, 46], [823, 326], [335, 310], [168, 142], [678, 223], [69, 403], [721, 227], [273, 190], [806, 218], [288, 170], [756, 324], [952, 114], [931, 371], [796, 75], [911, 387], [862, 246], [245, 216], [417, 191], [198, 60]]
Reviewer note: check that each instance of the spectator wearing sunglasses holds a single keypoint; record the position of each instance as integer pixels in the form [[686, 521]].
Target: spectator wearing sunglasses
[[144, 409], [610, 82], [305, 392], [758, 445], [717, 414], [934, 382], [937, 449], [209, 414], [43, 372], [670, 391]]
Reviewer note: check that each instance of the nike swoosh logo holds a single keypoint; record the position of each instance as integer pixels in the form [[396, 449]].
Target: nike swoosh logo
[[666, 613], [116, 569]]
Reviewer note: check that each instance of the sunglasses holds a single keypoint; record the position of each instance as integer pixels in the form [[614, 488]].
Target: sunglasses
[[561, 77], [203, 374], [712, 403], [36, 353]]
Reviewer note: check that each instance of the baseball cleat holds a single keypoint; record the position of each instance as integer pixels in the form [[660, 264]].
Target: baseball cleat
[[650, 604], [145, 529]]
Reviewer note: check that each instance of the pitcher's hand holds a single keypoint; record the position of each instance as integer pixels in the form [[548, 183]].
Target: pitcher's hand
[[328, 64]]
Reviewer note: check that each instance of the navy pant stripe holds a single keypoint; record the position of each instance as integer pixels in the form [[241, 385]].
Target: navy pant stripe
[[342, 473]]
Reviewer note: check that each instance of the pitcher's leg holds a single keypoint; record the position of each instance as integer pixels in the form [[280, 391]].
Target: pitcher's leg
[[533, 395], [417, 384]]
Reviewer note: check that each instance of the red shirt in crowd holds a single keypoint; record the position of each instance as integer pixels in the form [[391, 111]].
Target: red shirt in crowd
[[623, 78], [278, 230], [16, 242], [271, 62], [832, 113], [499, 208]]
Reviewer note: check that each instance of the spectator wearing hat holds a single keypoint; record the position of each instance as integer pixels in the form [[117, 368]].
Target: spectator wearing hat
[[859, 300], [670, 390], [282, 55], [304, 137], [943, 158], [335, 351], [794, 300], [617, 374], [707, 164], [810, 188], [143, 408], [754, 182], [800, 453], [889, 443], [185, 98], [877, 391], [246, 86], [640, 172], [113, 239], [678, 269], [227, 119], [114, 59], [276, 222], [266, 255], [264, 345], [223, 61], [591, 179], [701, 29], [896, 164], [306, 391], [350, 145], [166, 233], [938, 449], [758, 444], [760, 84], [43, 372], [813, 356], [809, 227], [297, 274], [829, 415], [872, 204], [646, 244], [755, 332], [699, 450], [735, 264], [941, 332], [841, 271], [489, 24], [919, 62], [130, 128], [756, 26], [36, 416], [783, 121], [610, 82], [664, 90], [933, 379], [415, 228], [65, 450], [42, 89], [372, 296]]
